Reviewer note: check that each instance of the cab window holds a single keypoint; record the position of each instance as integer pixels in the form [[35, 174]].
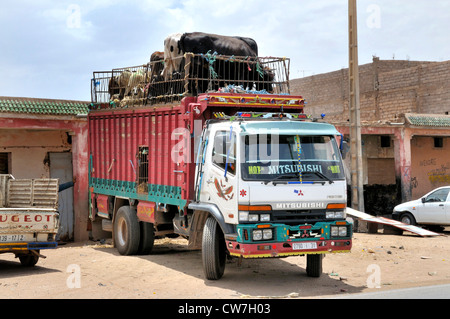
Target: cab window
[[224, 151]]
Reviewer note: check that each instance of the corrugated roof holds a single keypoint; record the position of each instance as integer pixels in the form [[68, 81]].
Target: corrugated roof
[[42, 106], [435, 120]]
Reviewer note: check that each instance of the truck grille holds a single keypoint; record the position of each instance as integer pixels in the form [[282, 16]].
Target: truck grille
[[295, 217]]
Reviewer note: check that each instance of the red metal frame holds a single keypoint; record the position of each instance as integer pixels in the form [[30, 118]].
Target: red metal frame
[[279, 249]]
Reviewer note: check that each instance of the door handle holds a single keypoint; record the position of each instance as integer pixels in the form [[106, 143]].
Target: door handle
[[441, 205]]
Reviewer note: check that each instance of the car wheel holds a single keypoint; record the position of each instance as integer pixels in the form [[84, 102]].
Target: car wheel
[[408, 218], [29, 260]]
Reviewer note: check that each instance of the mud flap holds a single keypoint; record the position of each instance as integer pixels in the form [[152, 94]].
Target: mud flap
[[196, 231]]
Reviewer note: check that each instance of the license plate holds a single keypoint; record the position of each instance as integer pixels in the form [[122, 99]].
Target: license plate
[[304, 246], [12, 238]]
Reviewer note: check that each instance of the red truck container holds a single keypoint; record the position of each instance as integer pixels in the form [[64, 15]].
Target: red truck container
[[149, 165]]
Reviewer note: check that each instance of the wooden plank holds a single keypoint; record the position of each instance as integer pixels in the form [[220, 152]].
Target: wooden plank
[[386, 221]]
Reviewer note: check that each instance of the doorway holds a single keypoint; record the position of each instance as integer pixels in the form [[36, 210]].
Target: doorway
[[61, 167]]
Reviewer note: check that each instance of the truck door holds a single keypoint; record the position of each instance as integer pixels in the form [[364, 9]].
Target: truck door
[[219, 179]]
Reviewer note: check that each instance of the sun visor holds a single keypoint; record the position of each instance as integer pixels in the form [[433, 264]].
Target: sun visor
[[289, 128]]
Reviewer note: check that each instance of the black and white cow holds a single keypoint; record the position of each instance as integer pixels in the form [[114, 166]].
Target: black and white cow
[[205, 46], [206, 43], [202, 43], [172, 56]]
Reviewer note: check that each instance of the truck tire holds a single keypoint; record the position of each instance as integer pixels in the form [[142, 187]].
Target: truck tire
[[314, 265], [213, 250], [126, 231], [29, 260], [147, 238]]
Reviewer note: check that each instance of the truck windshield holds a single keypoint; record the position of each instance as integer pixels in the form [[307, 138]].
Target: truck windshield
[[291, 158]]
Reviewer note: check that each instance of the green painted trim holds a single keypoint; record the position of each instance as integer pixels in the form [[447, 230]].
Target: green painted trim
[[163, 194], [40, 106]]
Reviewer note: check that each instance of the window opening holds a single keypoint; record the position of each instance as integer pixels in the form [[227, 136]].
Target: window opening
[[5, 167], [385, 141], [438, 142], [142, 176]]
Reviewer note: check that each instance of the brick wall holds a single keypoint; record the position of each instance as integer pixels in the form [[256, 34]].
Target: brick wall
[[388, 89]]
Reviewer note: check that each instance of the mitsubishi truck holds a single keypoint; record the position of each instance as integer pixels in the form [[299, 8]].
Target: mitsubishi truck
[[29, 219], [239, 172]]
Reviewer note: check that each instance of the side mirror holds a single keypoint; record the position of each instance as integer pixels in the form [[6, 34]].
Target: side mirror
[[345, 148], [423, 199]]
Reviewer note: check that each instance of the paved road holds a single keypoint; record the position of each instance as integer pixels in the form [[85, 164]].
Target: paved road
[[429, 292]]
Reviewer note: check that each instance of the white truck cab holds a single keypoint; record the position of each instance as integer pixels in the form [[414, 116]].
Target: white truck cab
[[278, 183]]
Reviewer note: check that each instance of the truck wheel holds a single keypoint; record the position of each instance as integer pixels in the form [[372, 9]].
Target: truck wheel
[[314, 265], [29, 260], [213, 250], [147, 238], [126, 231]]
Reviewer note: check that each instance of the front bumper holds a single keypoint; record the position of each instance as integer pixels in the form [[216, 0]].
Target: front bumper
[[290, 241], [396, 215], [18, 247], [265, 250]]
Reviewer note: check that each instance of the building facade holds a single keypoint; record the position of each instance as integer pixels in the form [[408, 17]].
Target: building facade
[[405, 125], [42, 138]]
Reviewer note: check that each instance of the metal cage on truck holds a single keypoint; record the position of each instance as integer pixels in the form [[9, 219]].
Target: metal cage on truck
[[199, 73]]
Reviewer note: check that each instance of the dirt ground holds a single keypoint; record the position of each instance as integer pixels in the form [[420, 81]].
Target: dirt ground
[[95, 270]]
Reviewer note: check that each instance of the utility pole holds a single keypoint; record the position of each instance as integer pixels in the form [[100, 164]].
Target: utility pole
[[354, 109]]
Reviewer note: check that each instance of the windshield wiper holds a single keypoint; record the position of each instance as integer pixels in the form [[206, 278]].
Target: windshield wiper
[[290, 176], [320, 175], [281, 177]]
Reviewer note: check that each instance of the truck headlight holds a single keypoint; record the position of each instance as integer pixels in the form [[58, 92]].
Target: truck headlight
[[340, 215], [267, 234], [262, 234], [334, 231], [338, 231], [257, 234], [253, 217], [243, 216], [265, 217], [335, 215]]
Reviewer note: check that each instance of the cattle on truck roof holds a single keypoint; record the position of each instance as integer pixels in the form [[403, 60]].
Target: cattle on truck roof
[[200, 73]]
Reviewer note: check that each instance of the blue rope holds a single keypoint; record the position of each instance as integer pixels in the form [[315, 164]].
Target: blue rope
[[211, 59]]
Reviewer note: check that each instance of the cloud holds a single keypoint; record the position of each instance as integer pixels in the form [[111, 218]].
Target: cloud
[[52, 47]]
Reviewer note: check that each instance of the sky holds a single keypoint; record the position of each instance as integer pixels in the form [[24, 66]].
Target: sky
[[50, 48]]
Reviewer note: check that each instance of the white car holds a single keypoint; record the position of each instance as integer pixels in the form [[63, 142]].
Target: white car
[[431, 209]]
